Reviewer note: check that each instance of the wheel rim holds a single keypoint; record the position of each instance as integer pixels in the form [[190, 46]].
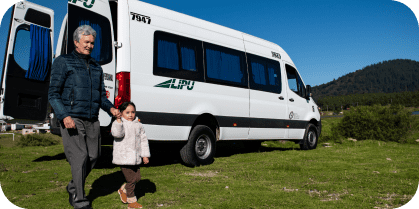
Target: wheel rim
[[311, 138], [203, 146]]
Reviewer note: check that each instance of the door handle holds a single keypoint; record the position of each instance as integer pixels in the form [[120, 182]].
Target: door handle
[[281, 98], [292, 100]]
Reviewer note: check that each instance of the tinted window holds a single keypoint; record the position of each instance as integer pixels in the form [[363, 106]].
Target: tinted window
[[38, 18], [176, 56], [168, 56], [295, 82], [102, 51], [188, 57], [22, 48], [265, 74], [225, 66]]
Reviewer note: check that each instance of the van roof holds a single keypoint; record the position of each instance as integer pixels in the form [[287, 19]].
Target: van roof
[[196, 22]]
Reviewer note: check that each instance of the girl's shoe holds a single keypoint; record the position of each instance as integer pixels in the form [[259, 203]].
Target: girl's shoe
[[122, 194], [134, 205]]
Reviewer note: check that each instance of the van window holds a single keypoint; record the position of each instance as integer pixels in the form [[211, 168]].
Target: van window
[[295, 82], [176, 56], [265, 74], [38, 18], [225, 66], [102, 51], [22, 48], [188, 57], [168, 56]]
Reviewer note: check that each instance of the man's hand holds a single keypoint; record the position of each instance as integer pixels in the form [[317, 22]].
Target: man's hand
[[116, 113], [69, 122]]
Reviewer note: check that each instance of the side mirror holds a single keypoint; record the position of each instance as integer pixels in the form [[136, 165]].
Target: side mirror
[[308, 92]]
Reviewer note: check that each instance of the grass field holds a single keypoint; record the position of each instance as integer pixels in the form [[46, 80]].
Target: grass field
[[362, 174]]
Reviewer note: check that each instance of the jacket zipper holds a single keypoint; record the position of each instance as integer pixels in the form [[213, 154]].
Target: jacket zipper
[[91, 88], [72, 98]]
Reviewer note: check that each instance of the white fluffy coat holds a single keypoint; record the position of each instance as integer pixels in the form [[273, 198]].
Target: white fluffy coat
[[130, 143]]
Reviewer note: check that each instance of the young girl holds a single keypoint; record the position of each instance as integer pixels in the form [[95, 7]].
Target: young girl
[[129, 147]]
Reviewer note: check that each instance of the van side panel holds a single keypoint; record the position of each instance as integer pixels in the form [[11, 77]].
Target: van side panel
[[299, 108], [168, 112], [268, 115], [169, 104]]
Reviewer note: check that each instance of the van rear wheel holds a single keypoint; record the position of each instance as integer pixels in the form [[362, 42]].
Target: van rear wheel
[[310, 138], [200, 148]]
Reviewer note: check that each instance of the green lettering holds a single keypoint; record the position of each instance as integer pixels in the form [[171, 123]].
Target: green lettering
[[182, 83], [165, 84], [173, 84], [91, 4], [191, 87]]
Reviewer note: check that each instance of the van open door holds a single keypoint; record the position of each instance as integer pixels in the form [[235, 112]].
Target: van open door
[[27, 64], [97, 14]]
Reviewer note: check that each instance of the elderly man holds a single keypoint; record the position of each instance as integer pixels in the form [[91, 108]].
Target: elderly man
[[76, 93]]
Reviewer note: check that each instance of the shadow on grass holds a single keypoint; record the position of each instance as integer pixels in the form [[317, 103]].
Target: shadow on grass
[[161, 154], [60, 156], [110, 183], [169, 153], [230, 148], [143, 187]]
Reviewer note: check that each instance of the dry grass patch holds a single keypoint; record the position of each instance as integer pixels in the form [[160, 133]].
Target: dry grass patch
[[203, 174]]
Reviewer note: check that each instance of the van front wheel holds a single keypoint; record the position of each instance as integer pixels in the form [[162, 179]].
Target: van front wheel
[[310, 138], [200, 149]]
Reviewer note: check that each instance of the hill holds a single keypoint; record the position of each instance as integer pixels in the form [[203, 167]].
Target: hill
[[391, 76]]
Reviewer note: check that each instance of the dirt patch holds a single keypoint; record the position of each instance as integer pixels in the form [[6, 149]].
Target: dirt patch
[[289, 190], [391, 198], [332, 196], [206, 174]]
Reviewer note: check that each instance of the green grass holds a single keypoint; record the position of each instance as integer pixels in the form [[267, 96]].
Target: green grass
[[363, 174], [326, 113]]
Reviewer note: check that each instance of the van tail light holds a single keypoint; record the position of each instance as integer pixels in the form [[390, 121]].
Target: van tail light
[[123, 89]]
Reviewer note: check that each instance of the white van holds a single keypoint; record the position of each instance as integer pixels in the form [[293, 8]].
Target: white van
[[192, 81]]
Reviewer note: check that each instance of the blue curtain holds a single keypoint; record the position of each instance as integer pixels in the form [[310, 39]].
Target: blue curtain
[[188, 58], [40, 53], [98, 41], [213, 64], [168, 56], [258, 71], [223, 66]]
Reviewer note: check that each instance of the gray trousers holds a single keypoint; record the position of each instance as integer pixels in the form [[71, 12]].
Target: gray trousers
[[82, 149]]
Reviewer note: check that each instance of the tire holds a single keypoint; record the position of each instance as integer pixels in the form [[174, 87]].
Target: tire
[[200, 148], [310, 138]]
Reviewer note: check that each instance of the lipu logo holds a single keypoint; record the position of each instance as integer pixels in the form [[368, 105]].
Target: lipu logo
[[85, 3], [173, 84]]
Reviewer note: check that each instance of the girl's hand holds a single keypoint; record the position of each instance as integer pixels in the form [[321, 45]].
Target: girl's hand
[[145, 160]]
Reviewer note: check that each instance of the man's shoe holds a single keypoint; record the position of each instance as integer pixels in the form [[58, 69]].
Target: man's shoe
[[122, 194], [134, 205], [70, 197]]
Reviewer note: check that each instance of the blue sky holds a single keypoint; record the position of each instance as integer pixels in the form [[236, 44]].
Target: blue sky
[[326, 39]]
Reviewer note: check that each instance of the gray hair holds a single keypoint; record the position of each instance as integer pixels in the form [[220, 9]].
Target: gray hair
[[83, 30]]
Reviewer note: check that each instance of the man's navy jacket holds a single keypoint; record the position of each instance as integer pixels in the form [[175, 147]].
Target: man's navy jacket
[[77, 88]]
